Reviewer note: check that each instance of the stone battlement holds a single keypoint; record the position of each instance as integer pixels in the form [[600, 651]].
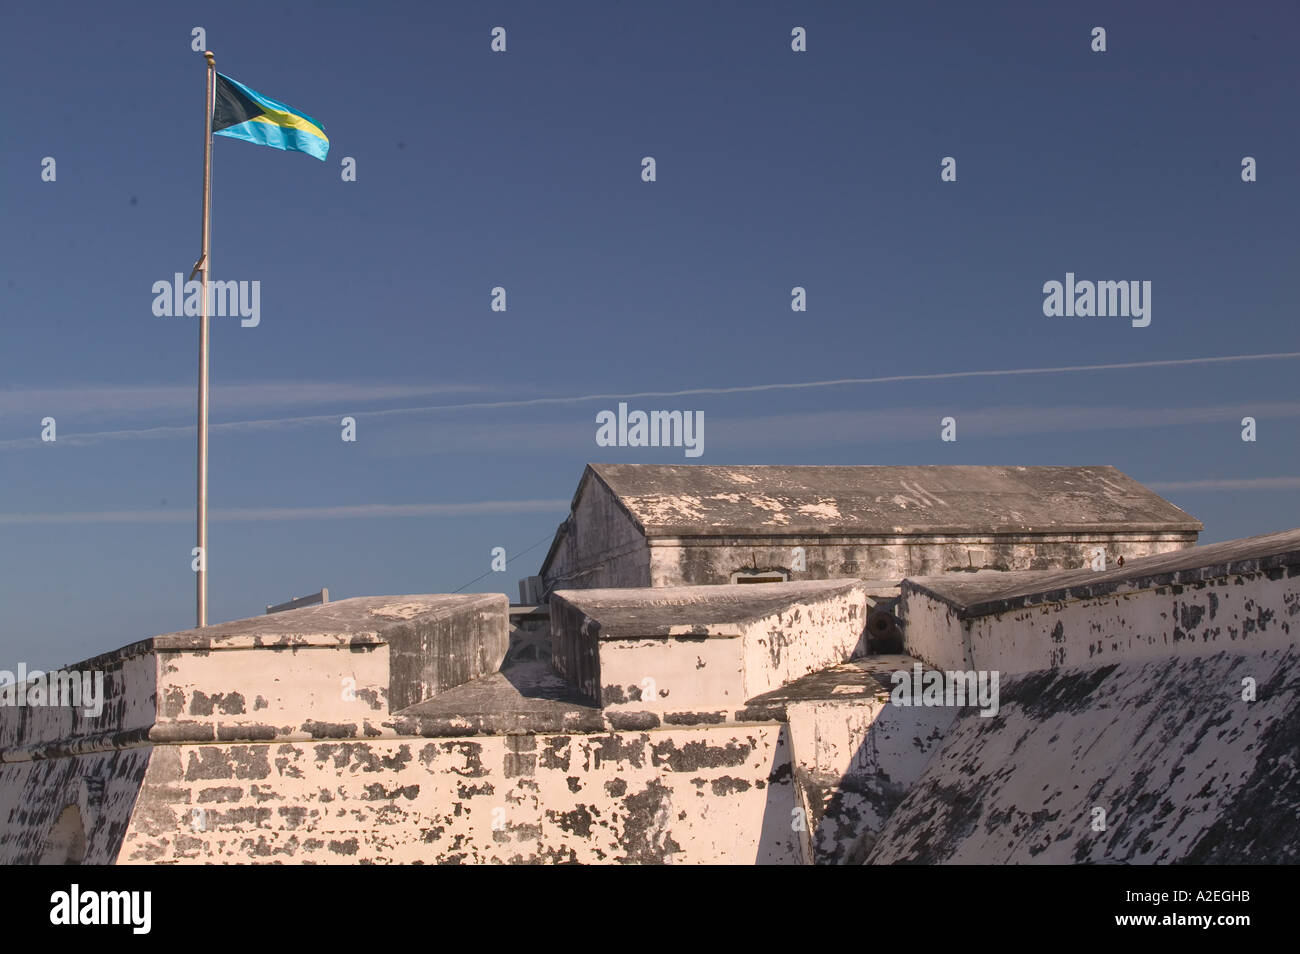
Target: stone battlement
[[734, 723]]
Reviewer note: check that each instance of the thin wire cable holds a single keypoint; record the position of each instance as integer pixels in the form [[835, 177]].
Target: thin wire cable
[[534, 546]]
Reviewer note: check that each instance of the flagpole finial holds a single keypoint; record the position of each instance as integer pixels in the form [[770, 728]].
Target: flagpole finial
[[212, 60]]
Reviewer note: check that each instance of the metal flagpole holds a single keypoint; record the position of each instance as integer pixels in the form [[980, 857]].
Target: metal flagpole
[[201, 575]]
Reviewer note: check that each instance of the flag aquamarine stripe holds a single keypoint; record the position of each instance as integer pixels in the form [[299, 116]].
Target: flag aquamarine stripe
[[278, 125], [278, 137]]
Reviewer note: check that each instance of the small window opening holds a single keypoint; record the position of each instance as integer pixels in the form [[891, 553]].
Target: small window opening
[[766, 576]]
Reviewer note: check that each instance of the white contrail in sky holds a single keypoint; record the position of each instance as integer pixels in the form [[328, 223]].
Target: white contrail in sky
[[797, 385], [480, 508], [272, 423], [1227, 483], [103, 400], [256, 514]]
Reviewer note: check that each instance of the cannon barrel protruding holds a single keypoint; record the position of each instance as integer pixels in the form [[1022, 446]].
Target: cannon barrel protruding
[[884, 632]]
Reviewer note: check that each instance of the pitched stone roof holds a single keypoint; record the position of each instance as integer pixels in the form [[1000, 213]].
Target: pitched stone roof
[[707, 500]]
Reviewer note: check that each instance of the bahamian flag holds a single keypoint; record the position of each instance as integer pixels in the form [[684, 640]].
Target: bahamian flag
[[242, 113]]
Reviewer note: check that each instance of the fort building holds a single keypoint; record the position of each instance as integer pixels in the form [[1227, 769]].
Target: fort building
[[674, 525]]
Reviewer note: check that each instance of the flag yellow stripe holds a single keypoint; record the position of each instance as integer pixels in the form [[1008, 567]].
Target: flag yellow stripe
[[277, 117]]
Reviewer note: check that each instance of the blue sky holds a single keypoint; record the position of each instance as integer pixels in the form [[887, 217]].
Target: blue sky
[[523, 169]]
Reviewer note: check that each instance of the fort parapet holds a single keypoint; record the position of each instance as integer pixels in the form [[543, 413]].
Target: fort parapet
[[705, 724]]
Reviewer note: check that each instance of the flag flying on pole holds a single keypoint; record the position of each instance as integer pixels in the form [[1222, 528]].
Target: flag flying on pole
[[242, 113]]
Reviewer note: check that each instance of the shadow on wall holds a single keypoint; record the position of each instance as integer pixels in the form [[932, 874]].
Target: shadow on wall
[[527, 666], [782, 838], [845, 766], [852, 813], [849, 760], [855, 765]]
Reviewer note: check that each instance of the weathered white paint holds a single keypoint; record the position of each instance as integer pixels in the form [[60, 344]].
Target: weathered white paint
[[1241, 612], [1183, 768], [810, 634], [679, 561], [932, 630], [275, 739], [662, 675], [855, 760], [1237, 614], [708, 795], [770, 634]]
